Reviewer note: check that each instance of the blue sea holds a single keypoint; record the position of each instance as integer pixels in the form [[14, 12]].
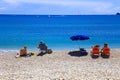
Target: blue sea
[[56, 30]]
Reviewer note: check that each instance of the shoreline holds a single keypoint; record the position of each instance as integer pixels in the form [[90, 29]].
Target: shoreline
[[37, 50], [9, 51]]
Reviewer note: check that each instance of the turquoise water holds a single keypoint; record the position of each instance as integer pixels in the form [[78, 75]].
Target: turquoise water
[[55, 30]]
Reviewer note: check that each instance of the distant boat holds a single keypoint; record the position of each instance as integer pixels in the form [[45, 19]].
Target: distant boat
[[118, 13]]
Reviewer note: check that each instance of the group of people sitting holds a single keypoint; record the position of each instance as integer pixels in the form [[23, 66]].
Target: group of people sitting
[[105, 51], [42, 47]]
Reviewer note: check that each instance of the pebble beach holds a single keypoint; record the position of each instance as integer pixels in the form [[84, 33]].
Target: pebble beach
[[59, 66]]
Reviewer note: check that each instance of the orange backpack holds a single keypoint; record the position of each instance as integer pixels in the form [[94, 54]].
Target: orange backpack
[[106, 50], [95, 50]]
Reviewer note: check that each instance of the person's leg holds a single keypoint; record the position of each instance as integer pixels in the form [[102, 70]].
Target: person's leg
[[104, 56], [94, 55], [23, 55]]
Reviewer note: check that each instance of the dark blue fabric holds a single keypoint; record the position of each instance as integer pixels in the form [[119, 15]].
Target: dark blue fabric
[[42, 44], [83, 51]]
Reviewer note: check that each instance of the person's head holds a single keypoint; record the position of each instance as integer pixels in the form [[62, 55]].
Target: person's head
[[97, 45], [25, 47], [41, 41], [105, 44]]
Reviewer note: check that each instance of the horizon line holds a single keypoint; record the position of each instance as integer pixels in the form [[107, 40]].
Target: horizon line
[[55, 14]]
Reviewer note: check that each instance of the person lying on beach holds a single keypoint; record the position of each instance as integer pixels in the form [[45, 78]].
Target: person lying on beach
[[95, 51], [23, 52], [105, 51]]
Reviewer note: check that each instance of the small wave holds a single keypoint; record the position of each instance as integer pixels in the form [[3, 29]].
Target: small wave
[[5, 51]]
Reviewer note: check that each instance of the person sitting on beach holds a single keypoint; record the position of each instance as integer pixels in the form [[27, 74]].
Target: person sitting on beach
[[43, 47], [95, 51], [23, 52], [105, 51]]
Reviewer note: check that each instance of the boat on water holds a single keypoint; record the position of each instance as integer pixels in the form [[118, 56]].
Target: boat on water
[[118, 13]]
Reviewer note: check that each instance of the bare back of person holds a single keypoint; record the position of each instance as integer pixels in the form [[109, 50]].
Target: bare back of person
[[23, 51]]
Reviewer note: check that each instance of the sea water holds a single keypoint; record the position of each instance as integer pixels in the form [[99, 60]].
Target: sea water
[[56, 30]]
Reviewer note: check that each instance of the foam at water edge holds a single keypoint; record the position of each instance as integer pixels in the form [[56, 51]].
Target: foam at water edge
[[6, 51]]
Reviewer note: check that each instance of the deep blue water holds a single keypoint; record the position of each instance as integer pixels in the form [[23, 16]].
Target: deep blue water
[[55, 30]]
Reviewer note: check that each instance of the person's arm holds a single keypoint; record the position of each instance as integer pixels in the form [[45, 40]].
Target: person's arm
[[39, 46], [101, 50], [26, 51]]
